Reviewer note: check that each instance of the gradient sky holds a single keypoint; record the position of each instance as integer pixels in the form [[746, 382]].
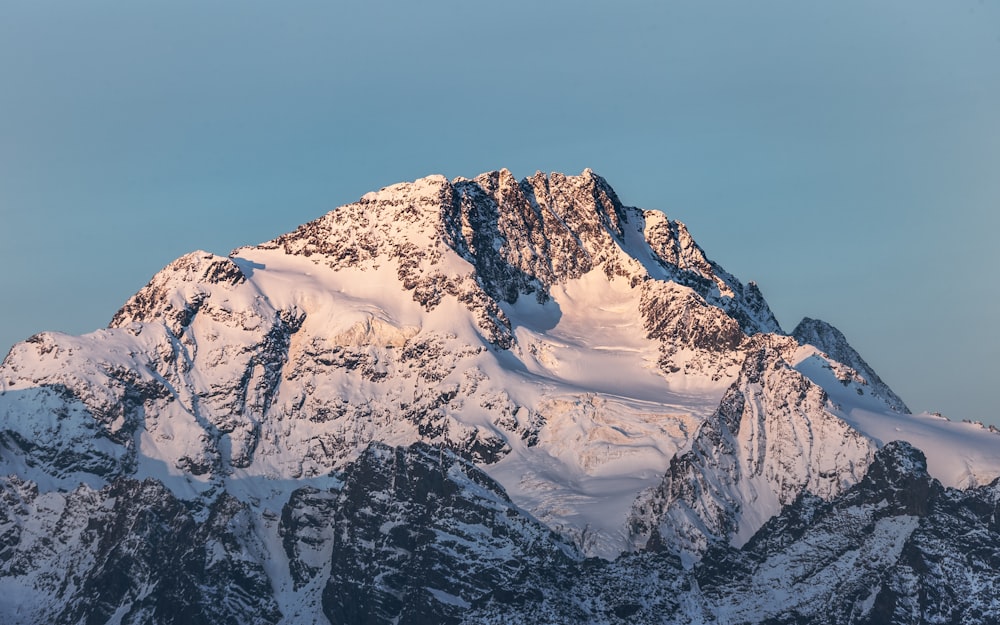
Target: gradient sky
[[845, 155]]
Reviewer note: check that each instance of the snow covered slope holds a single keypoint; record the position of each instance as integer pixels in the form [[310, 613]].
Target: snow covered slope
[[959, 454], [584, 360]]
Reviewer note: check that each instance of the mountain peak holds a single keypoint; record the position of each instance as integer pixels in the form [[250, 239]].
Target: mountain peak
[[488, 376], [520, 238], [832, 341]]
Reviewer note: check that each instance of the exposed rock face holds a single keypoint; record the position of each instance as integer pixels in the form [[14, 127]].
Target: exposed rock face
[[437, 404], [130, 552], [420, 536], [681, 321]]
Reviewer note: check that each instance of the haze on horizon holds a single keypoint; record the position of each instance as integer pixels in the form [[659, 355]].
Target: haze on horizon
[[842, 156]]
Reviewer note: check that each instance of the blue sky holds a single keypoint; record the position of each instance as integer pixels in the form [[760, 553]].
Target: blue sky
[[845, 155]]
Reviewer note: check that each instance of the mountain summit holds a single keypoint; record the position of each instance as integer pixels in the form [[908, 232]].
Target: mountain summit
[[453, 401]]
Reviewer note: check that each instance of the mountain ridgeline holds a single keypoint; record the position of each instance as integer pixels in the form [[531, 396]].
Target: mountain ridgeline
[[479, 401]]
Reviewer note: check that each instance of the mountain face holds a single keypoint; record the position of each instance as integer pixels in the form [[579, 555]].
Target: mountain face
[[471, 401]]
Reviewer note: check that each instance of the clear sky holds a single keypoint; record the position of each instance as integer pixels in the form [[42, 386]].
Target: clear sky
[[845, 155]]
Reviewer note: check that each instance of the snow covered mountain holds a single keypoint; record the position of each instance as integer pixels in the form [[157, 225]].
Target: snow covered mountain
[[449, 402]]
